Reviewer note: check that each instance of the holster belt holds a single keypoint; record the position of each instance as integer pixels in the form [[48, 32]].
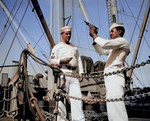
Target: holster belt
[[71, 68]]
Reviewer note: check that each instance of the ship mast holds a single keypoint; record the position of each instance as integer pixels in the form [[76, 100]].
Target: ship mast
[[56, 15], [112, 11], [43, 22], [59, 12]]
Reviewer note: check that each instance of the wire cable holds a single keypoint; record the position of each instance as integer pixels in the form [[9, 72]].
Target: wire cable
[[134, 18], [9, 17], [11, 22], [14, 38]]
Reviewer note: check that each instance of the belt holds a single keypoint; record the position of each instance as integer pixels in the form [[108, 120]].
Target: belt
[[70, 67]]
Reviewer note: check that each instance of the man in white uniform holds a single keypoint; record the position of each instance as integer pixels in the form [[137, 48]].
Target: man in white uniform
[[66, 55], [117, 50]]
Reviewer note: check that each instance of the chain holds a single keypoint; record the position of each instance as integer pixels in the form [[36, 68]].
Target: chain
[[110, 73], [95, 100], [56, 69]]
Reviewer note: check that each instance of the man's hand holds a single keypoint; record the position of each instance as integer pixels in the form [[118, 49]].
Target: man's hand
[[93, 31], [80, 79], [65, 60]]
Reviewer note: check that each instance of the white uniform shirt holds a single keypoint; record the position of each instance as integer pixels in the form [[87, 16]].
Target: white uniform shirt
[[116, 49], [61, 51]]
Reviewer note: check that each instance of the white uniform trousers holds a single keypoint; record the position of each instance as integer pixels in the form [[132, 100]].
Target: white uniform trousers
[[72, 86], [115, 89]]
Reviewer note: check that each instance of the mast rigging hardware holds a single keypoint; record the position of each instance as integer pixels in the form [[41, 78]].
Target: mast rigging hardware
[[8, 66], [69, 17]]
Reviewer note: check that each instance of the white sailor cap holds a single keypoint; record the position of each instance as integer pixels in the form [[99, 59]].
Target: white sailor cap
[[115, 25], [65, 29]]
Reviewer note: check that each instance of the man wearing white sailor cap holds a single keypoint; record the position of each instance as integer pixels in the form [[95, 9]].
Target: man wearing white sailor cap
[[66, 56], [117, 49]]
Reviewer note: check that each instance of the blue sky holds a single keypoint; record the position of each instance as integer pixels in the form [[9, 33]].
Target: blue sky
[[128, 13]]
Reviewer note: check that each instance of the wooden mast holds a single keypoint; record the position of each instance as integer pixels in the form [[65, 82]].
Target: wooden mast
[[43, 22]]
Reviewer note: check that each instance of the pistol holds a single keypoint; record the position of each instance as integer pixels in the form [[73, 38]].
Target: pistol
[[87, 23]]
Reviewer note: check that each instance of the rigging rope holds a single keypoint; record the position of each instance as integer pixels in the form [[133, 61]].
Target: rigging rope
[[11, 22], [135, 20], [17, 37], [129, 30], [8, 18], [134, 29], [5, 102], [39, 24], [14, 37], [20, 43]]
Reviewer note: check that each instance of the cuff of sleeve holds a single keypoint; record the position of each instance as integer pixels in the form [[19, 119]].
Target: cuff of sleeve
[[58, 61], [95, 40], [94, 43], [81, 74], [55, 62]]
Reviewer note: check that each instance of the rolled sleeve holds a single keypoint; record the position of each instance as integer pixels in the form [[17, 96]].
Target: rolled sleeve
[[55, 62]]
